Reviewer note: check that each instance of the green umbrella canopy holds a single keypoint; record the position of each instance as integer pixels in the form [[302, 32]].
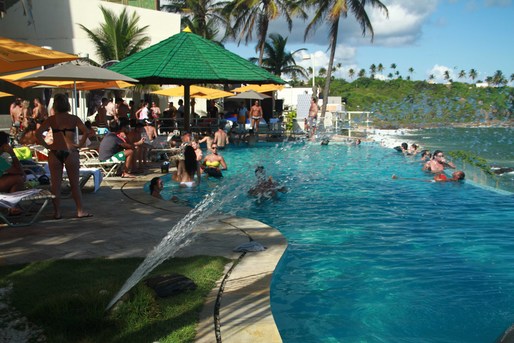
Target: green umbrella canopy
[[187, 58]]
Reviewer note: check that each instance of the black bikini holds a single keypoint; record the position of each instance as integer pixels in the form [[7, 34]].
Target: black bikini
[[61, 154], [63, 130]]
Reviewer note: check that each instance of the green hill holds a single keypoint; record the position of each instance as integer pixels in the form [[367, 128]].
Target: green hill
[[414, 103]]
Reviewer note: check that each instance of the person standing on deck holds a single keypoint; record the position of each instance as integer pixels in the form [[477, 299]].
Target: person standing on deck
[[256, 115], [313, 117]]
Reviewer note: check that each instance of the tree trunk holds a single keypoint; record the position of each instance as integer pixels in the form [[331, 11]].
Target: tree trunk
[[333, 43]]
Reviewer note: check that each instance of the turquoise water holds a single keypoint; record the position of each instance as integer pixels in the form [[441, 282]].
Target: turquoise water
[[494, 144], [372, 259]]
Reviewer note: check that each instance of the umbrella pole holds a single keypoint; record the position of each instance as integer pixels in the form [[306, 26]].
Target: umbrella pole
[[187, 107]]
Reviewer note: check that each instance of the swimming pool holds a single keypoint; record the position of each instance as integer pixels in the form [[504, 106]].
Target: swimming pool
[[371, 259]]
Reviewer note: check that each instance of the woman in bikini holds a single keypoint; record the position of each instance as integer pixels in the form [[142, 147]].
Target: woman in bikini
[[64, 151], [187, 168]]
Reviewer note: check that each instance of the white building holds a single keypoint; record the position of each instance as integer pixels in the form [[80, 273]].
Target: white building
[[55, 23]]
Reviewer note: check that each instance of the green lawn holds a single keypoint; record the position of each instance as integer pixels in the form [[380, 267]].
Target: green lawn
[[67, 299]]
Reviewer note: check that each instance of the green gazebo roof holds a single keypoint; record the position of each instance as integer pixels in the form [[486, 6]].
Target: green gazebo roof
[[187, 58]]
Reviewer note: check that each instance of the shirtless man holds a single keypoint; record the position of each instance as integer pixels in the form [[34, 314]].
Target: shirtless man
[[39, 113], [16, 110], [208, 141], [313, 117], [101, 116], [256, 115], [122, 109], [438, 163], [221, 138]]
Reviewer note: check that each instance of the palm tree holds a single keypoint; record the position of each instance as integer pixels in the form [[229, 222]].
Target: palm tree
[[255, 15], [351, 73], [277, 61], [380, 68], [331, 11], [322, 72], [462, 74], [446, 75], [373, 70], [119, 36], [393, 67], [472, 74], [511, 77], [431, 77], [362, 73], [498, 78], [390, 75], [203, 17], [411, 71]]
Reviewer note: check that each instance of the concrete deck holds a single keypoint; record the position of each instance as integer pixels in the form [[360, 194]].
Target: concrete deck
[[139, 223]]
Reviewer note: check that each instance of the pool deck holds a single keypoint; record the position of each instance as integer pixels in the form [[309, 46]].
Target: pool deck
[[128, 223]]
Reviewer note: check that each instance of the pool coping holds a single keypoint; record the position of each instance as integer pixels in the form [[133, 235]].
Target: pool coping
[[128, 222]]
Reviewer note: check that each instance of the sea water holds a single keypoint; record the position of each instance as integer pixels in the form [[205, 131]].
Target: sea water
[[373, 259]]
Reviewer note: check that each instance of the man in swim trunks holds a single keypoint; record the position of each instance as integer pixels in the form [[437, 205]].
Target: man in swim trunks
[[265, 187], [438, 163], [213, 163], [256, 115], [313, 117]]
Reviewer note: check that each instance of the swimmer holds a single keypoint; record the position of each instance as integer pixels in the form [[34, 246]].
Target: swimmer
[[458, 175], [438, 163], [265, 187], [214, 163], [156, 186]]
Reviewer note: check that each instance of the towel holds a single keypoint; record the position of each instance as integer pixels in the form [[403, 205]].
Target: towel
[[11, 199], [250, 246]]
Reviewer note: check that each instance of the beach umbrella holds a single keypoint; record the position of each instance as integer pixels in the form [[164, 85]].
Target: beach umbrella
[[92, 85], [81, 85], [258, 88], [252, 95], [195, 92], [4, 94], [187, 59], [16, 55], [74, 72]]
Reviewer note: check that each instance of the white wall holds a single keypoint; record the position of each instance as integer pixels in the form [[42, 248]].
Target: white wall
[[55, 24], [290, 95]]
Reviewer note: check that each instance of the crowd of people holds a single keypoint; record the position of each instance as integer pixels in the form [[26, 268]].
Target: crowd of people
[[434, 163]]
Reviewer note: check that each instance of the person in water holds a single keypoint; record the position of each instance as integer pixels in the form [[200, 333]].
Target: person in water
[[438, 163], [156, 186], [187, 168], [458, 175], [64, 151], [265, 187], [214, 163]]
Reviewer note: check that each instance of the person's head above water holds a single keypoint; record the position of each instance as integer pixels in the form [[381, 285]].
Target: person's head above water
[[260, 172], [458, 175]]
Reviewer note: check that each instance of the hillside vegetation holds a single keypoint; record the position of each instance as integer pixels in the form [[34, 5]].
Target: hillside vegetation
[[413, 103]]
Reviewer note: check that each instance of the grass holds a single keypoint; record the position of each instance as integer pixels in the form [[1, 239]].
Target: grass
[[67, 299]]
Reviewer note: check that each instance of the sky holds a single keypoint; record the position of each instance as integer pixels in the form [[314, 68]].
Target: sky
[[430, 36]]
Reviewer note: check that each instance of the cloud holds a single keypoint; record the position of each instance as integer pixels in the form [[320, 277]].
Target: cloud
[[402, 27], [498, 3]]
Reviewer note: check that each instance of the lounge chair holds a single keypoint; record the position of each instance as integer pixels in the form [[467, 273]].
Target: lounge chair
[[89, 159], [27, 200]]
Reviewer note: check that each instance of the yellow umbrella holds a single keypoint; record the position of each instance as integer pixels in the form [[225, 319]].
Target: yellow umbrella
[[16, 55], [81, 85], [4, 94], [259, 88], [195, 92]]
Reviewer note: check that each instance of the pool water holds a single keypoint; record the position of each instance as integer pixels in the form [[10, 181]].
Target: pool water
[[372, 259]]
